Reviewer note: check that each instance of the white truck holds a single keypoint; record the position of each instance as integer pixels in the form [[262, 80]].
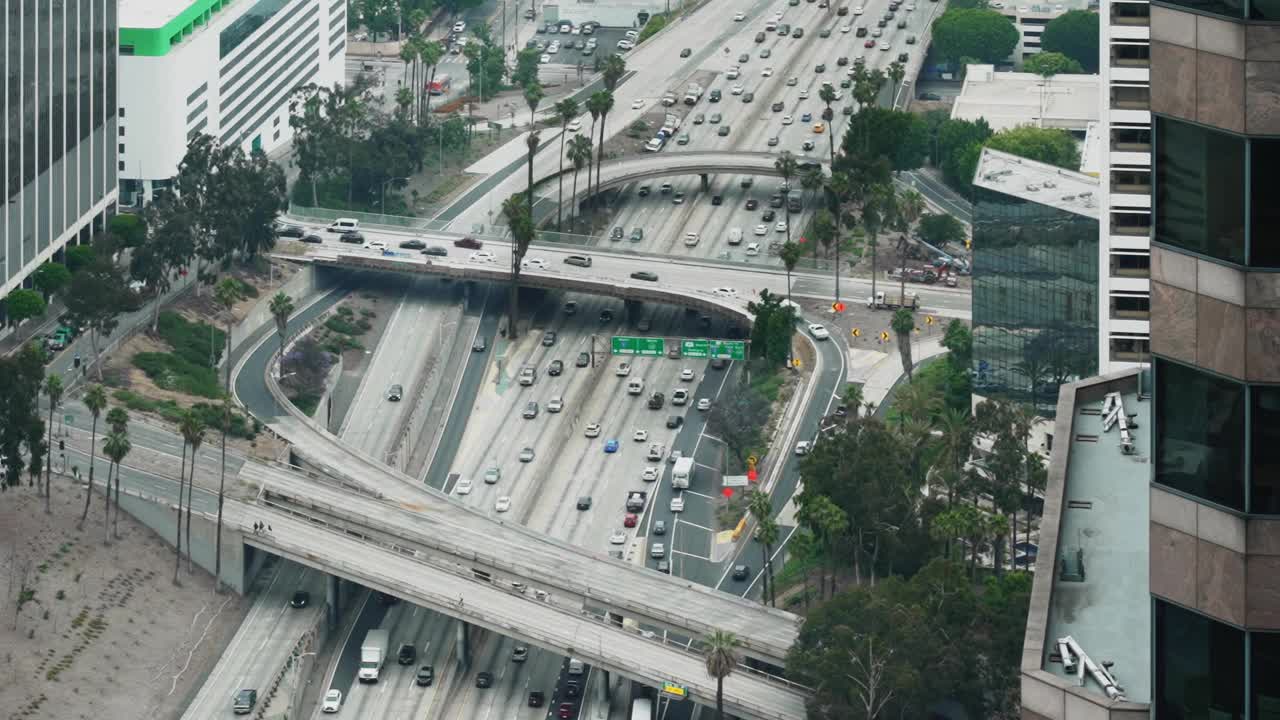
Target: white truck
[[681, 473], [373, 654], [692, 94], [893, 300]]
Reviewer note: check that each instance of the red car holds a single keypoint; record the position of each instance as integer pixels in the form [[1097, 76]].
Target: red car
[[630, 520], [468, 242], [869, 44], [566, 711]]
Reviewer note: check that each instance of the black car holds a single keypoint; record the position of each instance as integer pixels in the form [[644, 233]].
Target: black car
[[842, 61], [860, 32], [748, 97], [819, 68], [413, 245], [312, 238], [436, 250], [300, 599], [606, 315], [723, 131], [659, 527], [842, 11], [719, 363], [929, 96], [717, 199], [426, 675], [408, 654], [352, 236], [484, 679], [903, 57], [778, 106], [479, 345], [556, 367], [752, 204], [740, 572], [714, 96], [643, 190], [293, 231], [775, 200], [637, 234], [768, 216], [584, 502], [616, 233], [686, 53], [584, 359], [645, 275], [537, 698], [845, 83], [797, 33], [674, 421], [824, 33], [743, 57]]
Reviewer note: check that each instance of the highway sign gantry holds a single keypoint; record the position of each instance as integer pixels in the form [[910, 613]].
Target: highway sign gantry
[[715, 349], [648, 346]]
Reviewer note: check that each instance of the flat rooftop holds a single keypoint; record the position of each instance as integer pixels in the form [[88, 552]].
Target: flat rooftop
[[1012, 9], [1039, 182], [1105, 515], [154, 14], [1010, 99]]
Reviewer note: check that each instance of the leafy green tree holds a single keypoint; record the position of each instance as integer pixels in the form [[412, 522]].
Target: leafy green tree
[[526, 72], [735, 419], [430, 53], [958, 144], [828, 523], [900, 136], [822, 230], [940, 229], [1048, 64], [1047, 145], [97, 298], [95, 399], [1074, 34], [21, 427], [329, 123], [201, 188], [520, 221], [51, 277], [127, 230], [580, 157], [22, 305], [984, 35], [772, 328], [721, 658], [53, 390], [78, 257], [485, 63]]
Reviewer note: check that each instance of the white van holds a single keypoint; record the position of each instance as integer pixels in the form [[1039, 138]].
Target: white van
[[635, 386], [575, 666], [735, 236], [342, 225]]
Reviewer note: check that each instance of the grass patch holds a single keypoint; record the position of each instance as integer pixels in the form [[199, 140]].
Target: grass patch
[[768, 384], [307, 403], [173, 372], [932, 373], [208, 413], [344, 321], [793, 572], [728, 514], [651, 28], [193, 341], [445, 187]]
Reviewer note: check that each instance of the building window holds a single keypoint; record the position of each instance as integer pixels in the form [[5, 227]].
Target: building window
[[1228, 8], [1199, 666], [121, 131], [1264, 464], [1264, 215], [253, 18], [1200, 190], [1199, 425], [121, 148], [1265, 649]]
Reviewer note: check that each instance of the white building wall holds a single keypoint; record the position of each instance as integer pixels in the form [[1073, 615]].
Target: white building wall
[[239, 99], [1117, 73]]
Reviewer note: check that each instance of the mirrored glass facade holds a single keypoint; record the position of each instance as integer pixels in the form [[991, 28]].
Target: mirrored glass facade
[[1035, 299]]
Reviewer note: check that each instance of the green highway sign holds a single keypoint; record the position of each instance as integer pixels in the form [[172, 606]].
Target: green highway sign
[[723, 349], [623, 345]]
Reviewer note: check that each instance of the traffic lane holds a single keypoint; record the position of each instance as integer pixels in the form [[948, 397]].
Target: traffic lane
[[142, 433], [433, 636], [398, 692]]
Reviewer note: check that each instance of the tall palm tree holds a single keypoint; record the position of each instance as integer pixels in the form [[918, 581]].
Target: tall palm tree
[[192, 429], [566, 110], [878, 212], [721, 658], [116, 447], [95, 398], [787, 167], [580, 157], [429, 54], [614, 68], [828, 95], [281, 307], [811, 179], [761, 508], [531, 144], [839, 190], [910, 206], [896, 73], [520, 221], [606, 104], [52, 390], [903, 324], [533, 94], [409, 55], [789, 253]]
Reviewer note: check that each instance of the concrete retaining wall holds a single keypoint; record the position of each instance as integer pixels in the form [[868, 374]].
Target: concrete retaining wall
[[162, 517], [302, 285]]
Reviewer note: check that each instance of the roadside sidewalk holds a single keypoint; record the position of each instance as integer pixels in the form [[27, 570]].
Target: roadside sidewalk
[[879, 378]]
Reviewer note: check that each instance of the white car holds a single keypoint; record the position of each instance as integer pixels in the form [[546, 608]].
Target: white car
[[637, 103], [481, 256], [463, 487], [884, 45], [761, 230], [625, 44], [332, 701], [556, 405], [656, 451], [792, 81], [679, 396], [787, 120], [725, 292], [503, 504], [777, 15], [736, 89], [375, 244], [574, 126], [526, 455], [544, 58], [733, 74], [753, 249], [704, 404], [650, 473], [536, 263], [818, 332], [623, 369], [691, 239], [460, 26], [739, 17], [677, 503], [839, 95], [804, 447], [686, 374], [858, 10], [618, 537], [804, 94], [781, 226], [553, 48], [845, 28], [592, 430], [735, 236], [767, 71], [640, 435]]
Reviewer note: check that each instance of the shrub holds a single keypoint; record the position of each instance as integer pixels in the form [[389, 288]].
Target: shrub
[[191, 340], [342, 324], [172, 372]]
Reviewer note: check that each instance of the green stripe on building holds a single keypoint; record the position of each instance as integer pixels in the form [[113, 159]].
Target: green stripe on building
[[158, 41]]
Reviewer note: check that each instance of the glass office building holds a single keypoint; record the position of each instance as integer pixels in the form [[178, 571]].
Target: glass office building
[[60, 128], [1035, 280]]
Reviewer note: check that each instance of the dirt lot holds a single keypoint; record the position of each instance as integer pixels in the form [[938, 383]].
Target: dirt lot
[[104, 633]]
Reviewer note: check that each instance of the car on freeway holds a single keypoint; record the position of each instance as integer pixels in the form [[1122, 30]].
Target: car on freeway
[[679, 396], [818, 332], [768, 215], [618, 536], [426, 675], [530, 410], [657, 550], [584, 359], [686, 374], [884, 46], [733, 72], [753, 249], [772, 141], [678, 198], [492, 474], [723, 131], [408, 654], [574, 125], [740, 572], [744, 57], [650, 473], [786, 120], [584, 502], [481, 256], [300, 599], [683, 139], [502, 504], [566, 711], [537, 698], [484, 679], [807, 145], [820, 68], [352, 236], [739, 17], [819, 128], [869, 44], [623, 369], [767, 71], [630, 520], [640, 435], [752, 204], [842, 61], [704, 404], [544, 58], [611, 445], [535, 262], [824, 33], [766, 53], [413, 245], [781, 226], [761, 230], [244, 701], [555, 405], [555, 368], [436, 251], [637, 234], [519, 653], [659, 527], [526, 455], [804, 447], [644, 275], [463, 487], [312, 238], [911, 39], [592, 430], [691, 239], [656, 450], [677, 503], [332, 701], [725, 292], [686, 53], [748, 97], [548, 338]]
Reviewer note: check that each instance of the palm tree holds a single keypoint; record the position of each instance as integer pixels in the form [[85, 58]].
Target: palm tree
[[281, 307], [828, 95], [533, 94], [896, 73], [761, 508], [566, 110], [95, 398], [606, 104], [192, 429], [614, 68], [721, 658], [910, 206], [429, 53], [839, 190], [878, 212], [531, 144], [903, 323], [580, 157], [789, 253], [116, 447], [52, 390], [811, 179], [409, 55], [520, 221], [787, 166]]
